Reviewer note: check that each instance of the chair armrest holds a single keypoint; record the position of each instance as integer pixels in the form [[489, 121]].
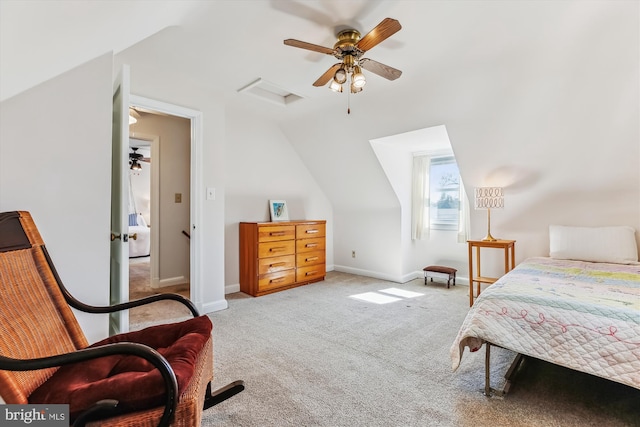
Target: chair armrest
[[140, 350], [129, 304], [72, 301]]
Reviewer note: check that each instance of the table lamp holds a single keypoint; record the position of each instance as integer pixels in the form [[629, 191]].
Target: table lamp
[[489, 198]]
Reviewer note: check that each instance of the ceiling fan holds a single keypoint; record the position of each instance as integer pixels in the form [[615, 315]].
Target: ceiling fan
[[349, 50], [135, 158]]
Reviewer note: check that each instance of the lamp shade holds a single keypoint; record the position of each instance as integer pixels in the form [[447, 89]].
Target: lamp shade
[[489, 198], [357, 79]]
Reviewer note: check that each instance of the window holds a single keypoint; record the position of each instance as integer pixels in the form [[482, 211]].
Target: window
[[438, 196], [444, 194]]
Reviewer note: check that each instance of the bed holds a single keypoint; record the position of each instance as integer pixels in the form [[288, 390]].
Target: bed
[[577, 313], [141, 245]]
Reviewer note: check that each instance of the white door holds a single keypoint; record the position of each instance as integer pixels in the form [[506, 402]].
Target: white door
[[119, 281]]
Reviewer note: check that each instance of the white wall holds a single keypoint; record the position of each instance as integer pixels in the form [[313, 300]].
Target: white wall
[[375, 236], [55, 161], [262, 165]]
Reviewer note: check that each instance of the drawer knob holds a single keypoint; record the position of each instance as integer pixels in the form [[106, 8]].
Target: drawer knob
[[278, 249], [313, 258], [276, 233], [276, 264], [276, 280], [311, 231], [310, 245], [310, 273]]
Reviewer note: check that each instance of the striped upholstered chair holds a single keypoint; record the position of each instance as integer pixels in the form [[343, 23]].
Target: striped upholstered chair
[[158, 376]]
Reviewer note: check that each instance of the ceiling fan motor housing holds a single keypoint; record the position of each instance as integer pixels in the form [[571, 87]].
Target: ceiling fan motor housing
[[345, 47]]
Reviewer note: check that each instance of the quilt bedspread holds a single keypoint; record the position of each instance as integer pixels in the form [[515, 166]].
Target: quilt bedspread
[[581, 315]]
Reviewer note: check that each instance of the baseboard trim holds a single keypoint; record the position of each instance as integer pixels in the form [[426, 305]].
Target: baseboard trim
[[369, 273], [210, 307], [232, 289], [398, 279], [156, 282]]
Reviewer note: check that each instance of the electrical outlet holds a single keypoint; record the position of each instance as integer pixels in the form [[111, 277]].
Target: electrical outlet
[[353, 254], [178, 198]]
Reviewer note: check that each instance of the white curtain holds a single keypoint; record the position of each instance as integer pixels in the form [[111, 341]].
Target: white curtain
[[420, 198], [132, 198], [463, 219]]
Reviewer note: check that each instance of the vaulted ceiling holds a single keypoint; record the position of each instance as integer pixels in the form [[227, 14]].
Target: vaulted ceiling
[[221, 46], [491, 71]]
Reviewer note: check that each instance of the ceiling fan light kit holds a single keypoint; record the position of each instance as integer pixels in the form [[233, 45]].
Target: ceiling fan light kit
[[349, 50], [135, 158], [335, 86]]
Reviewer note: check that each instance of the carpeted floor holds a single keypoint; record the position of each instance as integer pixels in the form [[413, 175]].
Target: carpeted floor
[[140, 286], [315, 356]]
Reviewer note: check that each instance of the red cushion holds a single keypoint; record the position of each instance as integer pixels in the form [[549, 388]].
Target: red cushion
[[131, 380]]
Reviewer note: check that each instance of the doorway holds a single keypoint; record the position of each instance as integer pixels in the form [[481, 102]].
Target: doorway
[[162, 186]]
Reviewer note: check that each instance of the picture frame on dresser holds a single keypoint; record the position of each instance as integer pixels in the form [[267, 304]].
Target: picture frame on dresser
[[278, 210]]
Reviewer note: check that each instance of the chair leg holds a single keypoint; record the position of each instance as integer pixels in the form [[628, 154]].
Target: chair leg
[[101, 409], [222, 394]]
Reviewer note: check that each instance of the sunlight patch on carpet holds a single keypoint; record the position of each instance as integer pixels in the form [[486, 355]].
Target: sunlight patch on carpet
[[375, 298], [401, 293]]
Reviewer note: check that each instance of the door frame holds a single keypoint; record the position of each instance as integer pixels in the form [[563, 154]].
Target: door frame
[[196, 190]]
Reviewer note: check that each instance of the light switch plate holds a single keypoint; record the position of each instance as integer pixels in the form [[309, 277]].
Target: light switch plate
[[211, 193]]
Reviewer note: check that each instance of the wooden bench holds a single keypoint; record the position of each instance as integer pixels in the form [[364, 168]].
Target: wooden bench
[[442, 270]]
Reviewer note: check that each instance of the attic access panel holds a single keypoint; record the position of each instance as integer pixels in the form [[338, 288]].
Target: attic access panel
[[270, 92]]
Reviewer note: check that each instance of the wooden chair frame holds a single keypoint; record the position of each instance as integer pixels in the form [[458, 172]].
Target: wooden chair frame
[[18, 232]]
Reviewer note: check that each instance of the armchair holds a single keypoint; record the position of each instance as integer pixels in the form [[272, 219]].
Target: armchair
[[160, 375]]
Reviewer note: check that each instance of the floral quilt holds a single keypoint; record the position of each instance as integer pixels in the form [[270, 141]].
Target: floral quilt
[[581, 315]]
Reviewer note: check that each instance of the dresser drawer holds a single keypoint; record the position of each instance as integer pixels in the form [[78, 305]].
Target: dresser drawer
[[310, 258], [276, 280], [276, 263], [310, 245], [312, 272], [272, 233], [307, 231], [277, 248]]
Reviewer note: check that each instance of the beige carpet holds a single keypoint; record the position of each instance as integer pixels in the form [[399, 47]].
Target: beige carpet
[[140, 286], [316, 356]]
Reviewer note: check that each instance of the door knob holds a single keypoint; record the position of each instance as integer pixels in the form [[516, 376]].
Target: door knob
[[124, 237]]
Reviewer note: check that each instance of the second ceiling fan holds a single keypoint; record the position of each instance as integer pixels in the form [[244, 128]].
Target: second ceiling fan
[[135, 158], [349, 49]]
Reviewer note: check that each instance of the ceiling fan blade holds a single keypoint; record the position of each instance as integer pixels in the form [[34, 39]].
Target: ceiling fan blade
[[328, 75], [146, 159], [308, 46], [382, 70], [382, 31]]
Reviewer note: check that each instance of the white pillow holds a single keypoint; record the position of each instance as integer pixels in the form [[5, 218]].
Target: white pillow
[[595, 244]]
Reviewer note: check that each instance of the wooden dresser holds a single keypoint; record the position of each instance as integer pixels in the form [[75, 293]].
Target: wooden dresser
[[280, 255]]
